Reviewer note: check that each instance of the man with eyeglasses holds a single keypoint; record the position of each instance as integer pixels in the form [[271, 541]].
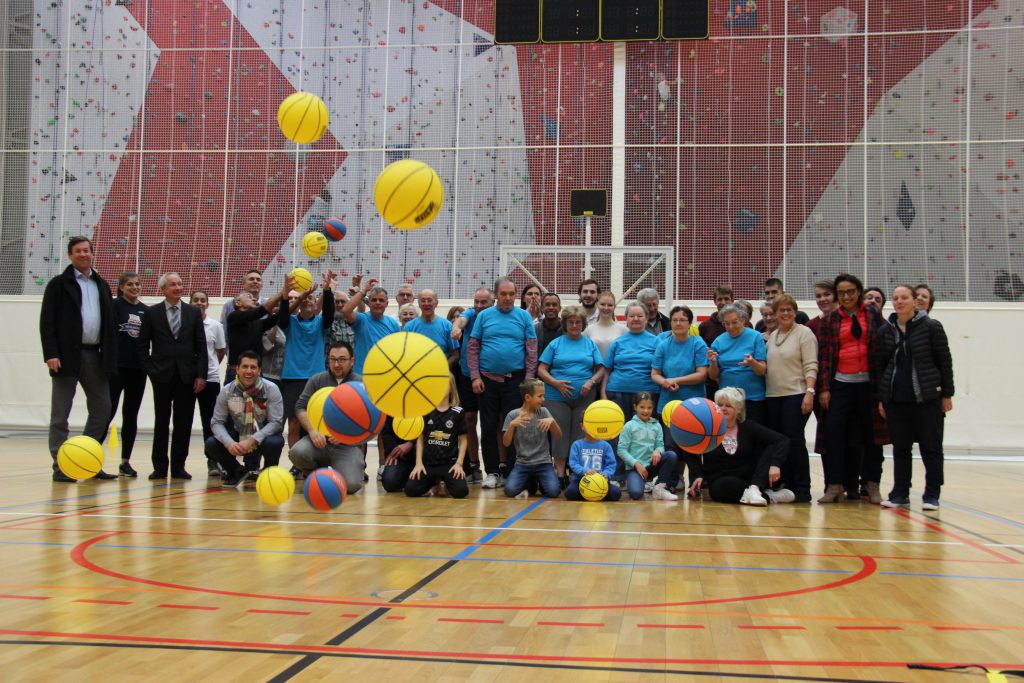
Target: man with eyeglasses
[[315, 450]]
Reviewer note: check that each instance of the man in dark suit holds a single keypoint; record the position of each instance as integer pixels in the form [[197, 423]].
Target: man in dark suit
[[172, 346], [77, 328]]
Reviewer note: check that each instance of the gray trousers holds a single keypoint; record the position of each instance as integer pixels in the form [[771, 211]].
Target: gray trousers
[[347, 460], [569, 416], [97, 401]]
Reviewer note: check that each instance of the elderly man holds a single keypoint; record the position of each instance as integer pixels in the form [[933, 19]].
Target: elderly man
[[403, 297], [79, 337], [247, 323], [502, 354], [657, 322], [372, 326], [252, 283], [246, 423], [434, 327]]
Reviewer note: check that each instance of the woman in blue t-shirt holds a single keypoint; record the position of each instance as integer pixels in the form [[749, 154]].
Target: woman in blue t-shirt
[[739, 359], [680, 363], [629, 360], [570, 367]]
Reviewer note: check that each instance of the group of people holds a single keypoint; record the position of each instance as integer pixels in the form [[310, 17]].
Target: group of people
[[524, 366]]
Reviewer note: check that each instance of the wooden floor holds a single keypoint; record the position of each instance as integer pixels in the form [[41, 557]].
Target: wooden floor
[[128, 581]]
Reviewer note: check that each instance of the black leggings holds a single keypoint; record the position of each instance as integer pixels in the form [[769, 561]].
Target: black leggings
[[132, 381]]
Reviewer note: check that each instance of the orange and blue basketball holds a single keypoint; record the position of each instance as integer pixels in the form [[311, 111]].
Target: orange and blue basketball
[[325, 489], [350, 416], [334, 229], [697, 425]]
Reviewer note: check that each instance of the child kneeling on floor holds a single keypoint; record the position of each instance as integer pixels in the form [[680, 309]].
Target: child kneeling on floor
[[589, 456], [441, 449], [528, 427]]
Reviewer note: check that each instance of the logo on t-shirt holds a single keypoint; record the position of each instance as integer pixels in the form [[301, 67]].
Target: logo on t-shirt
[[132, 326]]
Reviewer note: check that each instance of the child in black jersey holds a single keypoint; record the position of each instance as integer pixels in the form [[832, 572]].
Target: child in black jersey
[[441, 449]]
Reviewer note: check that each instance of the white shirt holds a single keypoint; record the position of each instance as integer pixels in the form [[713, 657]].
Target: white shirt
[[214, 340], [91, 317]]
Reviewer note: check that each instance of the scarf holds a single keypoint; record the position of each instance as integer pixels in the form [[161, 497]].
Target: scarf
[[254, 397]]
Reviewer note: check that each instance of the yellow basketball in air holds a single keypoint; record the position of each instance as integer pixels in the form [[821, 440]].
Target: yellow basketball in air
[[408, 428], [315, 409], [406, 374], [314, 244], [302, 117], [80, 457], [303, 279], [408, 194], [666, 412], [594, 487], [275, 485], [603, 419]]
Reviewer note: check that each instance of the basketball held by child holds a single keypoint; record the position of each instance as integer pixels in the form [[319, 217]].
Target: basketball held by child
[[350, 416], [594, 487], [406, 374], [325, 489], [275, 485], [666, 412], [603, 419], [80, 457], [314, 244], [302, 117], [315, 409], [335, 229], [303, 279], [408, 194], [408, 428], [697, 425]]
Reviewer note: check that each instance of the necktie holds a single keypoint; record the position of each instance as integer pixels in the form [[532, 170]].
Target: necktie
[[176, 321], [855, 326]]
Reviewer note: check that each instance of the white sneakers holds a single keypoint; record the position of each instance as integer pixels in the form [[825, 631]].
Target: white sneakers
[[780, 496], [659, 492], [490, 481], [752, 496]]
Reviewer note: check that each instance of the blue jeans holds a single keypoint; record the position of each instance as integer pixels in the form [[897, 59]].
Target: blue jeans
[[667, 471], [519, 477], [573, 491]]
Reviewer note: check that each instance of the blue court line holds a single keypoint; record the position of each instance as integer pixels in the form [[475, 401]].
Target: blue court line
[[491, 535], [980, 513]]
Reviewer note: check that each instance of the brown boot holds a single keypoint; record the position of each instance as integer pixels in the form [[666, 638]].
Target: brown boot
[[874, 495], [833, 494]]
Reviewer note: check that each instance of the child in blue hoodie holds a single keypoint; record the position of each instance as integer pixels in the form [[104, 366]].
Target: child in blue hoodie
[[642, 449], [587, 456]]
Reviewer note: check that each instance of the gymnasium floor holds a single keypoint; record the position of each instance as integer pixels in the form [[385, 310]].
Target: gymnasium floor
[[129, 581]]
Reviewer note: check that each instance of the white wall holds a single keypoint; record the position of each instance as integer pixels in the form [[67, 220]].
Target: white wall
[[985, 338]]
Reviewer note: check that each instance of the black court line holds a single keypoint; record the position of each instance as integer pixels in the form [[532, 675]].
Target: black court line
[[944, 522], [447, 660]]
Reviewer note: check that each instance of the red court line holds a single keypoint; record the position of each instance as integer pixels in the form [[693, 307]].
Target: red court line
[[570, 623], [171, 605], [772, 628], [669, 626], [471, 621], [489, 656], [103, 602], [278, 611], [78, 556], [965, 628], [869, 628], [25, 597], [111, 506], [351, 616], [966, 541], [393, 618]]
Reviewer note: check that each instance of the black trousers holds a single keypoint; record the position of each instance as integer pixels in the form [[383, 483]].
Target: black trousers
[[923, 423], [457, 488], [729, 488], [131, 382], [497, 401], [849, 425], [175, 399], [784, 415]]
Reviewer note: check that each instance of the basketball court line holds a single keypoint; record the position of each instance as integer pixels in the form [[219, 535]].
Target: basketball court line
[[980, 513], [966, 541]]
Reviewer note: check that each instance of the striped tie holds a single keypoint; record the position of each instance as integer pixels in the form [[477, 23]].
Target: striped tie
[[175, 321]]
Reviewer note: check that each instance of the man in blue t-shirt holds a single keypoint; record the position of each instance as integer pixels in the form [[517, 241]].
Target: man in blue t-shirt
[[462, 328], [502, 354], [369, 327], [431, 326]]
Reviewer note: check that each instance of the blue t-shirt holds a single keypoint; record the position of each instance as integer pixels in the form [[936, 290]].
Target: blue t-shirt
[[304, 352], [570, 359], [467, 331], [501, 334], [629, 360], [731, 351], [369, 331], [678, 359], [439, 330], [592, 455]]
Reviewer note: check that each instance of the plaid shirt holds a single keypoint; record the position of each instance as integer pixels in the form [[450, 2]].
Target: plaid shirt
[[828, 361]]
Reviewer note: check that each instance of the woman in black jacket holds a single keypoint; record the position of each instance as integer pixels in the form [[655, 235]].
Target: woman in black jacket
[[915, 391], [748, 462]]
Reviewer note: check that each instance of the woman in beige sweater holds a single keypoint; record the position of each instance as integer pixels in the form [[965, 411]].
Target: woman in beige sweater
[[789, 384]]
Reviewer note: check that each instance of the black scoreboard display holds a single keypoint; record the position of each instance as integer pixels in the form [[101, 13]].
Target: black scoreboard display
[[591, 21]]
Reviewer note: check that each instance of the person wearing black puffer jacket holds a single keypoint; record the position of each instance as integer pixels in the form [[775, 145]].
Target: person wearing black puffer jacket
[[915, 391]]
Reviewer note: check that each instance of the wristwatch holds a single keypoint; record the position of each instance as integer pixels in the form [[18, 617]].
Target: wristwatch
[[811, 390]]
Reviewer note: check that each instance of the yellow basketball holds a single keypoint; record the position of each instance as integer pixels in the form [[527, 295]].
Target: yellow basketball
[[275, 485], [315, 409], [408, 428], [303, 279], [406, 374], [666, 412], [408, 194], [594, 487], [314, 244], [603, 419], [302, 117], [80, 457]]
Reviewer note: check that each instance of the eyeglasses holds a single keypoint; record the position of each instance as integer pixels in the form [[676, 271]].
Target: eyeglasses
[[335, 359], [847, 292]]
